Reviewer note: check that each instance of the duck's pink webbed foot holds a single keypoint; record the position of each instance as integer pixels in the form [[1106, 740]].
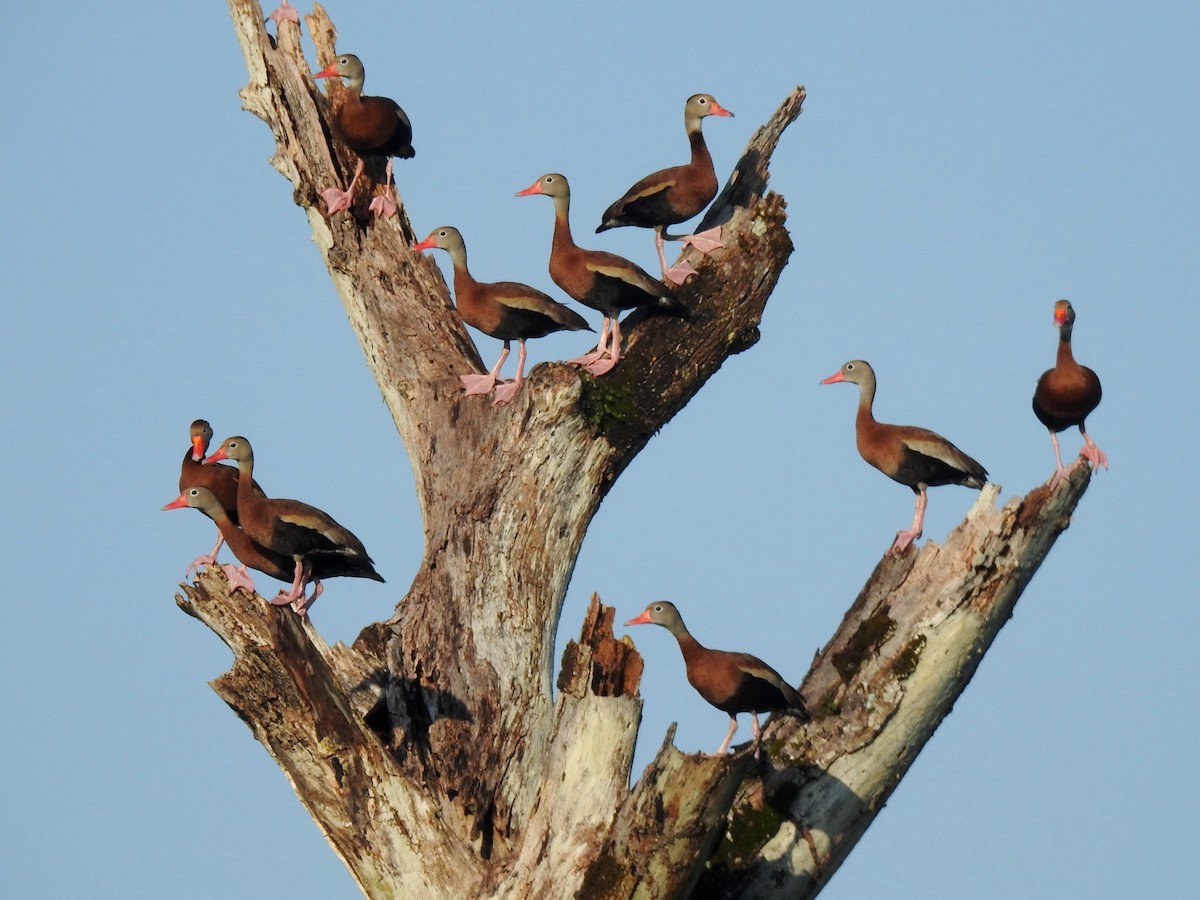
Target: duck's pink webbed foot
[[1093, 454], [207, 559], [602, 365], [238, 578], [284, 13], [505, 392], [705, 241], [384, 206], [904, 540], [477, 384], [336, 200], [304, 604], [679, 273], [601, 348]]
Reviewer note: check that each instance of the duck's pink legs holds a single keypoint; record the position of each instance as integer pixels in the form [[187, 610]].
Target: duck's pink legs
[[593, 355], [611, 356], [207, 560], [676, 274], [704, 241], [483, 384], [304, 604], [505, 392], [336, 199], [905, 538], [296, 592], [724, 748], [757, 735]]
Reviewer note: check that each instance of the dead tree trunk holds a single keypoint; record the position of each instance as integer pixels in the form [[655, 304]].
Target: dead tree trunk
[[433, 753]]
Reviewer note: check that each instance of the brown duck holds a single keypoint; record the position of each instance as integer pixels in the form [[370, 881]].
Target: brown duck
[[506, 310], [674, 195], [732, 682], [910, 455], [1066, 394], [371, 126], [604, 281], [290, 528]]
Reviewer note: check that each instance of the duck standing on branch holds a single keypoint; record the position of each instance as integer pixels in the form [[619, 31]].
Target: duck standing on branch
[[910, 455], [277, 565], [221, 480], [1066, 394], [732, 682], [372, 126], [603, 281], [506, 310], [674, 195], [290, 528]]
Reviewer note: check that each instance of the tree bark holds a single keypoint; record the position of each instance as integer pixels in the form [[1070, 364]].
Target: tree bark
[[433, 753]]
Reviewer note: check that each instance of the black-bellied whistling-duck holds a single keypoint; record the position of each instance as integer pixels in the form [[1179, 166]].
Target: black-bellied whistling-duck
[[277, 565], [506, 310], [603, 281], [674, 195], [1066, 394], [375, 126], [290, 528], [221, 480], [910, 455], [732, 682]]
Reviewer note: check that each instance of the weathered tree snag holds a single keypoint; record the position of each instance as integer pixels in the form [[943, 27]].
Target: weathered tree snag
[[903, 654], [433, 753]]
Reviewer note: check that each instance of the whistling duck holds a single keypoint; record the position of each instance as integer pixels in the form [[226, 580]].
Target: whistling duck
[[277, 565], [506, 310], [913, 456], [289, 527], [221, 480], [375, 126], [674, 195], [1066, 394], [732, 682], [603, 281]]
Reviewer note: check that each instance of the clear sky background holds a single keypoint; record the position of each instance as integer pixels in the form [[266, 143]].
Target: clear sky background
[[956, 170]]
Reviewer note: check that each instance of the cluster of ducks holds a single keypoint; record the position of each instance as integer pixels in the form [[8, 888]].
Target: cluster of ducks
[[508, 310], [290, 540], [286, 539]]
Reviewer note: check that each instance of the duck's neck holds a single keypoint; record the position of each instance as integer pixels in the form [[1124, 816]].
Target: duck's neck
[[866, 401], [1065, 357], [245, 488], [700, 154], [562, 225]]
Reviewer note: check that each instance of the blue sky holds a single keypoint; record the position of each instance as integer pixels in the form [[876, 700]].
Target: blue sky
[[955, 171]]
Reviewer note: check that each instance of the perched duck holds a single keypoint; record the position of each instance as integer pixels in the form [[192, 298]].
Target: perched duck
[[1066, 394], [290, 528], [374, 126], [277, 565], [913, 456], [732, 682], [603, 281], [221, 480], [506, 310], [674, 195]]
